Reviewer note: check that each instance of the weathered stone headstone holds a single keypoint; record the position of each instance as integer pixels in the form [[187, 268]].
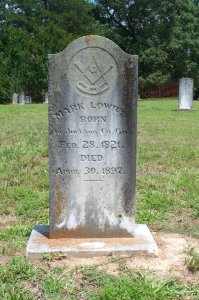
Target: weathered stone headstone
[[185, 94], [46, 98], [92, 152], [14, 98], [22, 99], [28, 99]]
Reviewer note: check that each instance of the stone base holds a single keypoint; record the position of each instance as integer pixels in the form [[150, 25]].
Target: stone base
[[39, 244]]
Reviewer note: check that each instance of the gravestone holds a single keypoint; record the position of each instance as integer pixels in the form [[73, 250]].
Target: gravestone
[[46, 98], [185, 94], [92, 153], [22, 98], [14, 98], [28, 99]]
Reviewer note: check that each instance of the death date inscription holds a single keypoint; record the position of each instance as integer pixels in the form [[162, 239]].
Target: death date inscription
[[106, 171]]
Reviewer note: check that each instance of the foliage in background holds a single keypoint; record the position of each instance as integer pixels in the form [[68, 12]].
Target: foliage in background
[[165, 35], [29, 31]]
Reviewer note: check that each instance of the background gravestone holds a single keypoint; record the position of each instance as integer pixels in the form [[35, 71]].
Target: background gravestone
[[92, 152], [28, 99], [185, 94], [46, 98], [22, 99], [14, 98]]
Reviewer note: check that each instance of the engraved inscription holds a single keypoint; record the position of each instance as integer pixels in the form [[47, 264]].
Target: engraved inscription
[[66, 145], [67, 171], [95, 119], [92, 152], [91, 158], [103, 131], [93, 81], [104, 144], [80, 107], [105, 171], [89, 74], [108, 171]]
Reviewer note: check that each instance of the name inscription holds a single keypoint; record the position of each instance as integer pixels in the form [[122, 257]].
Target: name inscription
[[79, 107]]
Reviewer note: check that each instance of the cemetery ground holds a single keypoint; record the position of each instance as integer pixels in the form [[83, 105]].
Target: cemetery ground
[[167, 201]]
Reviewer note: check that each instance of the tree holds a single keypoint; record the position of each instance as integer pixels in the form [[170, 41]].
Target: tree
[[30, 30], [165, 35]]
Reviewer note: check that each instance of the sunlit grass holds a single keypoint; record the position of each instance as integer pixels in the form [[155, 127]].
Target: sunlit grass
[[167, 200]]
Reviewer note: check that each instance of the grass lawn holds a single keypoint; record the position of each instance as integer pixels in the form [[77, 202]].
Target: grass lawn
[[167, 201]]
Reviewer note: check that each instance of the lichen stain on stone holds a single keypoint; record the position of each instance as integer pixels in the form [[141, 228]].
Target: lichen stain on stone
[[128, 225], [85, 232], [89, 39], [128, 74], [65, 233], [80, 243], [127, 199], [61, 202]]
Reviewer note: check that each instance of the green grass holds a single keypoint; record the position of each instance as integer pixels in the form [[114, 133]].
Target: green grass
[[168, 167], [167, 200], [22, 280], [23, 170], [192, 259]]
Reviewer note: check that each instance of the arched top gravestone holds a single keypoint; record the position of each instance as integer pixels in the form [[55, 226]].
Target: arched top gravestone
[[92, 153], [92, 148]]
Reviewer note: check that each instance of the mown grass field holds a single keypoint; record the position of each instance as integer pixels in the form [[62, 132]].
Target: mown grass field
[[167, 200]]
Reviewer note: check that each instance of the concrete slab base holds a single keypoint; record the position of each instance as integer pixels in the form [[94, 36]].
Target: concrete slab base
[[39, 244]]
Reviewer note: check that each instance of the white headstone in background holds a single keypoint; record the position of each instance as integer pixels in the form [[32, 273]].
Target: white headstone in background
[[28, 99], [14, 98], [22, 98], [46, 98], [185, 94]]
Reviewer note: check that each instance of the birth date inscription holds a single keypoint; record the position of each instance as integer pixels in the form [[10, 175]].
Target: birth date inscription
[[105, 144]]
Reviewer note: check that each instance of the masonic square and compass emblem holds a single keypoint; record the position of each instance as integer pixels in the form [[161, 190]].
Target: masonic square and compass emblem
[[92, 71]]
